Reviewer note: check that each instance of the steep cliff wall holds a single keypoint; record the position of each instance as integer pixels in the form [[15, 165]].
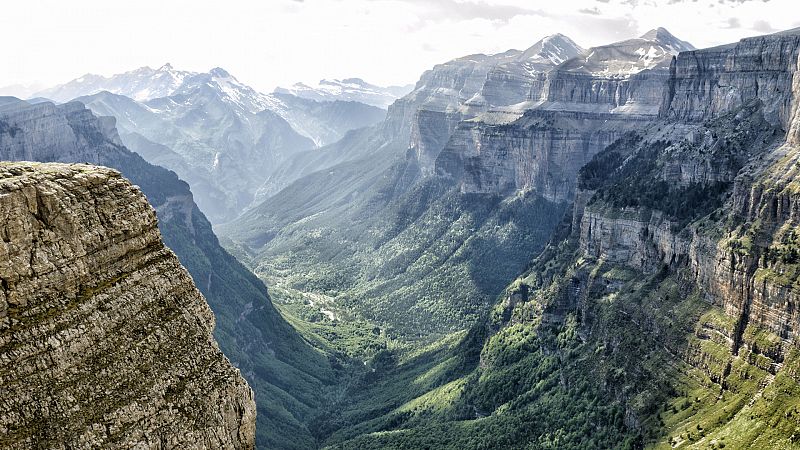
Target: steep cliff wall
[[104, 340], [542, 151], [574, 111], [276, 356], [465, 87], [707, 83], [744, 93], [638, 94], [64, 133]]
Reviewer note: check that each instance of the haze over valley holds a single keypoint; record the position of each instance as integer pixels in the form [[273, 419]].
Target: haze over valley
[[589, 241]]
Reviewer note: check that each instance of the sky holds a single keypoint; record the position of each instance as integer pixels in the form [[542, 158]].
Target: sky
[[269, 43]]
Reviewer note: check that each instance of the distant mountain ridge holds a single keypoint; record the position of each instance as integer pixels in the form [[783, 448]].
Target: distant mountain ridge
[[146, 84], [141, 84], [220, 135], [217, 133], [348, 89]]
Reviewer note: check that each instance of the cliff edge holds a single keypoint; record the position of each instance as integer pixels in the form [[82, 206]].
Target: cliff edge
[[104, 339]]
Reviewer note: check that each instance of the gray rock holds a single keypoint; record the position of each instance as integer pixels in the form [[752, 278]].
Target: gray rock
[[104, 339]]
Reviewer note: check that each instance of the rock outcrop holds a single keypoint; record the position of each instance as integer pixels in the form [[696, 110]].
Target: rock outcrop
[[707, 83], [244, 312], [749, 270], [576, 109], [104, 339]]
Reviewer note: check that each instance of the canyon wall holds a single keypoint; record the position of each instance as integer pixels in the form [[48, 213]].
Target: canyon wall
[[104, 339], [707, 83], [542, 151], [744, 265], [572, 112]]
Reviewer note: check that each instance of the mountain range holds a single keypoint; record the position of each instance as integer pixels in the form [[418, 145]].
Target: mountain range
[[164, 115], [555, 247], [349, 89]]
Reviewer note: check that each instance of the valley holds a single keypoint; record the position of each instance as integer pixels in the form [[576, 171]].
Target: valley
[[551, 248], [615, 325]]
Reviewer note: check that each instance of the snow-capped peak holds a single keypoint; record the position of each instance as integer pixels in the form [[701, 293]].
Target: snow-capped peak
[[348, 89], [141, 84], [553, 49], [667, 40]]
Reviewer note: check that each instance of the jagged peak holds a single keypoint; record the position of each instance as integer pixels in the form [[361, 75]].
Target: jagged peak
[[664, 37], [556, 47], [219, 72]]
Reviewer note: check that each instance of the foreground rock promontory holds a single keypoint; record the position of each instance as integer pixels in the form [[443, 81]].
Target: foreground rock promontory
[[104, 339]]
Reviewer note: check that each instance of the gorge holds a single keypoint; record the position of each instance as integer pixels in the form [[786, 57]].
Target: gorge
[[550, 248]]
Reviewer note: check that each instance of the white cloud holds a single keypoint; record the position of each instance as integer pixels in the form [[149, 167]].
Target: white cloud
[[273, 42]]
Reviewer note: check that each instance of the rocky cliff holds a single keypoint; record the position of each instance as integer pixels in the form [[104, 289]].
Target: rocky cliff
[[708, 196], [462, 88], [578, 108], [275, 357], [744, 93], [707, 83], [542, 152], [104, 340]]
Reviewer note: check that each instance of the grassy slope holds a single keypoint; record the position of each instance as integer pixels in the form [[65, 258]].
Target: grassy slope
[[580, 353], [420, 262]]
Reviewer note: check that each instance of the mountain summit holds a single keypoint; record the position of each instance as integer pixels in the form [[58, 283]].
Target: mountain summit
[[554, 49], [667, 39], [140, 84], [348, 89]]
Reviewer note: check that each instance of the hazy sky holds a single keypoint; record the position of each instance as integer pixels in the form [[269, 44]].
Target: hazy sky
[[277, 42]]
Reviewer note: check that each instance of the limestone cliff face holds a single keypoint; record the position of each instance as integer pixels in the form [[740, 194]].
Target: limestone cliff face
[[62, 133], [431, 112], [542, 151], [748, 267], [104, 339], [638, 94], [640, 241], [572, 112], [707, 83], [465, 87]]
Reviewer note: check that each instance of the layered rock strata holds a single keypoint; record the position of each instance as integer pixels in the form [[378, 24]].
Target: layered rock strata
[[748, 270], [104, 339]]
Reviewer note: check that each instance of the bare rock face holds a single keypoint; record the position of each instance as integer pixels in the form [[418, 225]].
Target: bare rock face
[[542, 151], [104, 339], [745, 266], [573, 111], [465, 87], [706, 83]]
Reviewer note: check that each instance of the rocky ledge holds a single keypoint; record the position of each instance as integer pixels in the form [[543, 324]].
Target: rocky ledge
[[104, 339]]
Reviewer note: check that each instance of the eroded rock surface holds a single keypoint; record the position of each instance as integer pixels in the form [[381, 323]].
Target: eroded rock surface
[[104, 339]]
